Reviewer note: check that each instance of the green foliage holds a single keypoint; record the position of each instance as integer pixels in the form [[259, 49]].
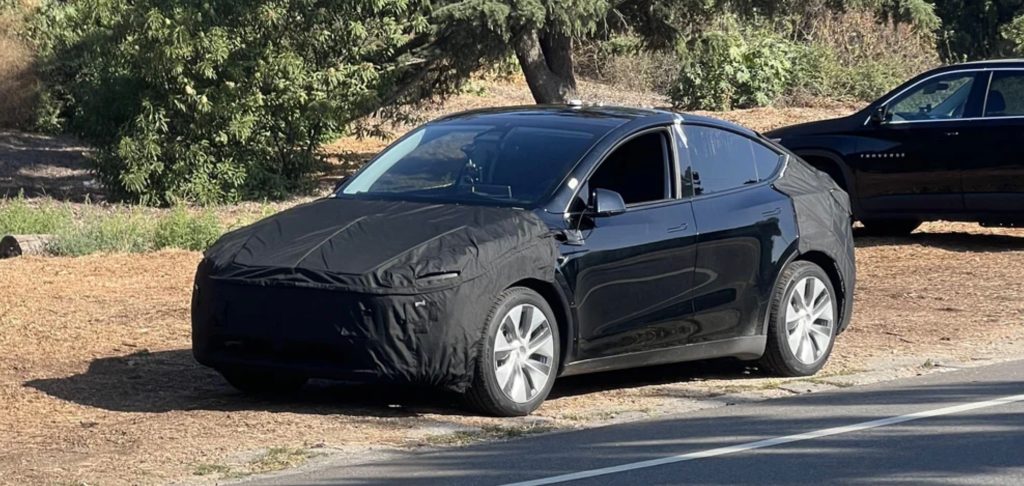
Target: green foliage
[[181, 229], [977, 29], [136, 231], [17, 217], [731, 68], [215, 101], [1014, 35], [127, 232], [848, 56]]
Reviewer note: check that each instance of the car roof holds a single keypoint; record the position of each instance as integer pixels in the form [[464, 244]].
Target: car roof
[[986, 64], [610, 117]]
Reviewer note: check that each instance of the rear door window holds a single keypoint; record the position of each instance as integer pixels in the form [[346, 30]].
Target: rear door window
[[1005, 95], [721, 160]]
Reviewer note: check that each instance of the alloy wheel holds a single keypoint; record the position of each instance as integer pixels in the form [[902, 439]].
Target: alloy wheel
[[810, 318], [523, 353]]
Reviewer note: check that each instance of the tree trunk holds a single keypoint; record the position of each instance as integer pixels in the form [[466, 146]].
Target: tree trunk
[[17, 245], [548, 66]]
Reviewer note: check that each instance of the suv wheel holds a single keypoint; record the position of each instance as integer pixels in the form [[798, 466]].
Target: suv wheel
[[803, 321], [890, 227], [518, 356]]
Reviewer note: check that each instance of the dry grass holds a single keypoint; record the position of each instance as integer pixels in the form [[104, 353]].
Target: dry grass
[[97, 383], [18, 82]]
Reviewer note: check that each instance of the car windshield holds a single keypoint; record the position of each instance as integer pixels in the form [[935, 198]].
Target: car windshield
[[502, 163]]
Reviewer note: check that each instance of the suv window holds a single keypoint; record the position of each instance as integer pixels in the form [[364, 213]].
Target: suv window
[[1005, 94], [723, 160], [940, 98], [639, 170]]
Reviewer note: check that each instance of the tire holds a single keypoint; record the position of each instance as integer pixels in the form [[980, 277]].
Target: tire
[[890, 227], [808, 351], [263, 383], [509, 369]]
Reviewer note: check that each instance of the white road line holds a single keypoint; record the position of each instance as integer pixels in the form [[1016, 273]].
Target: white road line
[[761, 444]]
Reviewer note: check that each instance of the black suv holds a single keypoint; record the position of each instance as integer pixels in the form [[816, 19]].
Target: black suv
[[948, 144]]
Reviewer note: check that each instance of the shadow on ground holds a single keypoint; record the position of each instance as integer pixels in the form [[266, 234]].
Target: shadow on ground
[[171, 380], [41, 165]]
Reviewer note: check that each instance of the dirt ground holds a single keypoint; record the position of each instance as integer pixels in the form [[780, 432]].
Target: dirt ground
[[98, 386], [97, 383]]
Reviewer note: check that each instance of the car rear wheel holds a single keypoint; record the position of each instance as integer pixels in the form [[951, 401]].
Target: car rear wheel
[[803, 322], [263, 383], [890, 227], [518, 357]]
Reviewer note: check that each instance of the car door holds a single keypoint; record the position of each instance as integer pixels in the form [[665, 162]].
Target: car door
[[993, 171], [911, 161], [631, 272], [742, 225]]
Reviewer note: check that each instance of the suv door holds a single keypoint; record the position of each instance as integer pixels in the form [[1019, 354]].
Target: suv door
[[993, 176], [911, 162], [742, 225], [632, 272]]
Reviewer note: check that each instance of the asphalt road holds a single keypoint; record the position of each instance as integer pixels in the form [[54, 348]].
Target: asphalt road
[[960, 427]]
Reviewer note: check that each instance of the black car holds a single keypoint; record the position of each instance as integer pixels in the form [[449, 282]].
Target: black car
[[491, 251], [948, 144]]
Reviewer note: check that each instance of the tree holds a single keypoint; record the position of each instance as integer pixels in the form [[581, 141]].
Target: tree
[[976, 29], [211, 101]]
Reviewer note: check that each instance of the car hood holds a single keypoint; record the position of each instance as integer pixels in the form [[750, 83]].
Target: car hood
[[373, 245], [823, 127]]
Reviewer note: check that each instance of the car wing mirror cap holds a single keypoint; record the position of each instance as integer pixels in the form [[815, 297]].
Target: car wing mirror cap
[[605, 202], [880, 115]]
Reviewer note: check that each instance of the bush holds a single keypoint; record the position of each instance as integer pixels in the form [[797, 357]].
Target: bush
[[852, 56], [181, 229], [213, 101], [127, 232], [17, 217], [625, 62], [732, 68], [845, 56]]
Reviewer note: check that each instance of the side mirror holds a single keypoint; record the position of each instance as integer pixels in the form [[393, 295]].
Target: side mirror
[[604, 202], [880, 115]]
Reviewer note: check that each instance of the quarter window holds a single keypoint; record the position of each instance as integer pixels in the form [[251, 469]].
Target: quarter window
[[939, 98], [723, 160], [1005, 95]]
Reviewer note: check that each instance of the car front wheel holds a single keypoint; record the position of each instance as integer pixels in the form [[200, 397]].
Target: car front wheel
[[518, 357], [803, 322]]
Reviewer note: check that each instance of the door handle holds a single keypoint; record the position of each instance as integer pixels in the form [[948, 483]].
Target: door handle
[[772, 212], [676, 229]]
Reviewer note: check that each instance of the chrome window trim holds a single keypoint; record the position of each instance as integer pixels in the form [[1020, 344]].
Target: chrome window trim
[[974, 71]]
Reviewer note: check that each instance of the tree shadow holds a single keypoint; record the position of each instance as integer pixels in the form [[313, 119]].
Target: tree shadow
[[952, 241], [41, 165], [167, 381]]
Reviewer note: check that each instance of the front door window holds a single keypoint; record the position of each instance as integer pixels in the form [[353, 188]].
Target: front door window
[[939, 98]]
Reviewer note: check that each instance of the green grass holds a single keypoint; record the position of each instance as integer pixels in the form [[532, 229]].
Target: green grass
[[278, 458], [208, 469], [18, 217], [133, 231], [93, 229]]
